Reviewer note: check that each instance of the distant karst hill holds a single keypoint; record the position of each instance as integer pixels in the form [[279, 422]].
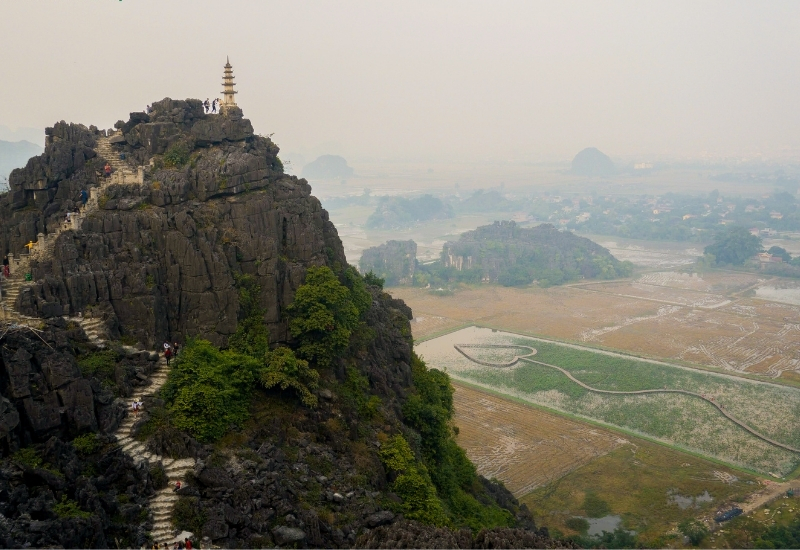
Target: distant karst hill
[[591, 162], [327, 167], [399, 212], [511, 255], [393, 261]]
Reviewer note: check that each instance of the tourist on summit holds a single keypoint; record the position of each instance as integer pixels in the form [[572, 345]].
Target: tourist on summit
[[214, 106], [206, 104]]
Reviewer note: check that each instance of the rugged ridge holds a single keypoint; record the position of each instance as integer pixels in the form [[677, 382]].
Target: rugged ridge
[[213, 202]]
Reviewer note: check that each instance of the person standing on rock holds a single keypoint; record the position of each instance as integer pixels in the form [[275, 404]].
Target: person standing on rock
[[214, 106], [85, 195], [206, 104]]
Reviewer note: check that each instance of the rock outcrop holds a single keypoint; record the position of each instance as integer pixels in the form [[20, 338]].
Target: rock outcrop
[[509, 254], [393, 261], [214, 202]]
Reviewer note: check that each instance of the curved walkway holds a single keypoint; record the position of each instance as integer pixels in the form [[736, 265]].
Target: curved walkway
[[526, 357]]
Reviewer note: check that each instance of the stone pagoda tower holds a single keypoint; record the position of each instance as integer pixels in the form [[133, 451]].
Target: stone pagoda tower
[[228, 92]]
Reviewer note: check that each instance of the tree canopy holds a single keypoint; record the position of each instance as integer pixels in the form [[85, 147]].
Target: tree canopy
[[325, 312], [734, 245]]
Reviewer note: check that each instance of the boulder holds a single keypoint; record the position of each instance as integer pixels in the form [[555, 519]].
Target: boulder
[[287, 535]]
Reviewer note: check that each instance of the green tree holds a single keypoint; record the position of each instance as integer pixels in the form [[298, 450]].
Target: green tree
[[693, 529], [734, 245], [285, 370], [780, 252], [322, 316], [208, 390]]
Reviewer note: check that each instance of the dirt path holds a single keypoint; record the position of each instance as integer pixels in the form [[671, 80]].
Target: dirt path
[[771, 492], [532, 351]]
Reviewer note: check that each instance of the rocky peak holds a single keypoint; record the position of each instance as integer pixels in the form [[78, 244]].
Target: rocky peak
[[209, 201]]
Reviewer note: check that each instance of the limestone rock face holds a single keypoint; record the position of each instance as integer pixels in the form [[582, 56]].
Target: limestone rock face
[[161, 258], [393, 261]]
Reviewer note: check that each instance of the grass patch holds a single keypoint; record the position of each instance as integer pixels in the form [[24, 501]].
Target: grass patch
[[635, 482]]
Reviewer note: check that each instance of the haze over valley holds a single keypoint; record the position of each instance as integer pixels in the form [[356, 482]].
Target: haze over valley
[[441, 275]]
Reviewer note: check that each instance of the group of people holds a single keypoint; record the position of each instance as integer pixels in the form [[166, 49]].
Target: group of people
[[170, 351], [178, 545], [212, 105]]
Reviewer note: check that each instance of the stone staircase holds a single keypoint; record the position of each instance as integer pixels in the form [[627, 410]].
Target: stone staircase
[[163, 502], [43, 248]]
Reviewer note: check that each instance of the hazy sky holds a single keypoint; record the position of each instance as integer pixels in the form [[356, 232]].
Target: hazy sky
[[438, 80]]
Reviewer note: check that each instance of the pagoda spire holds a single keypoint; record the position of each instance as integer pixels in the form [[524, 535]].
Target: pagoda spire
[[227, 87]]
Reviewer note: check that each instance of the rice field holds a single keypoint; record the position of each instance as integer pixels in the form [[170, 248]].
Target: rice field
[[685, 421]]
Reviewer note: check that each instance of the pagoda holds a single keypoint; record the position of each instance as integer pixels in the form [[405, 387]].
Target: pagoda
[[228, 92]]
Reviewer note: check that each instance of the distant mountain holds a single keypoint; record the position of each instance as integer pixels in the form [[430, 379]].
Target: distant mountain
[[399, 212], [592, 162], [511, 255], [393, 261], [15, 154], [327, 167]]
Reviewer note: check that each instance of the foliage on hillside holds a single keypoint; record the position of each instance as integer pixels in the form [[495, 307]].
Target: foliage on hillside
[[210, 390], [429, 410], [325, 313]]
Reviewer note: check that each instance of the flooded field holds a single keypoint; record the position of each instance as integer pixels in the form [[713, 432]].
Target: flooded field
[[787, 292], [692, 409], [720, 319]]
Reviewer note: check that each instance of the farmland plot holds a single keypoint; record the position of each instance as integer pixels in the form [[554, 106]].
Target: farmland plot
[[688, 421], [524, 447]]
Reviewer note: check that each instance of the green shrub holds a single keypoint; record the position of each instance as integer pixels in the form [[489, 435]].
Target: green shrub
[[695, 530], [285, 370], [594, 506], [176, 156], [28, 457], [188, 516], [373, 280], [208, 390], [99, 363], [578, 524], [412, 483], [86, 444], [251, 336], [68, 508], [355, 392], [159, 476], [323, 316]]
